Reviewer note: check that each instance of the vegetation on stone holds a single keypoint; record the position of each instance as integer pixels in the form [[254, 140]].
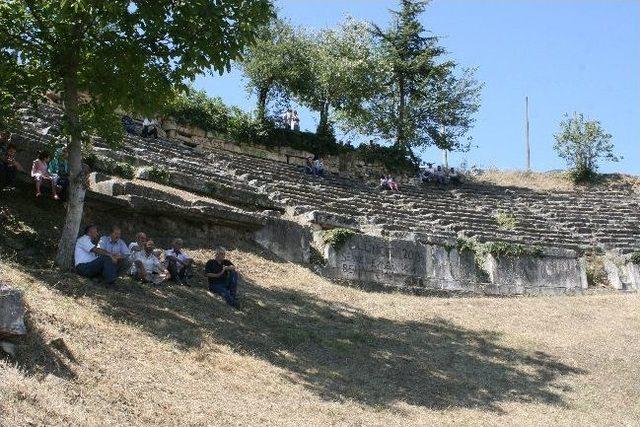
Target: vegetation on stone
[[635, 258], [596, 273], [337, 237], [159, 174], [506, 220]]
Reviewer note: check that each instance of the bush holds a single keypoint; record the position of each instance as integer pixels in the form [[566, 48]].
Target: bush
[[195, 108], [635, 258], [125, 170], [337, 237], [396, 159], [159, 174], [506, 220], [596, 274]]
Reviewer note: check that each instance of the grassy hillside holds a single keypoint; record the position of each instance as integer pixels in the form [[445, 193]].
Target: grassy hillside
[[303, 351]]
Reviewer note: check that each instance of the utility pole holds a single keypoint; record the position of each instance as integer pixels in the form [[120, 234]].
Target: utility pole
[[526, 119]]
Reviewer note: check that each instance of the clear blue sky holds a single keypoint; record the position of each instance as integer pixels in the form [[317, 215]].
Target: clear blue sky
[[566, 55]]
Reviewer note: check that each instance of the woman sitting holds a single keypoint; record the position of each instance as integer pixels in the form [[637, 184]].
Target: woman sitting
[[40, 172]]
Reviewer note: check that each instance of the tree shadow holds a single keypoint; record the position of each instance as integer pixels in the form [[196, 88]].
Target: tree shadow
[[337, 351]]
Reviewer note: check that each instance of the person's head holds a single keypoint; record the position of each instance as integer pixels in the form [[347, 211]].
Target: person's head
[[11, 149], [219, 253], [43, 156], [429, 164], [177, 244], [91, 231], [295, 112], [149, 246], [64, 153], [452, 170], [5, 136], [116, 233], [439, 168], [141, 238]]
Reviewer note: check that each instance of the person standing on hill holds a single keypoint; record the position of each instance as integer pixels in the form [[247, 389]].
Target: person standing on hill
[[222, 277]]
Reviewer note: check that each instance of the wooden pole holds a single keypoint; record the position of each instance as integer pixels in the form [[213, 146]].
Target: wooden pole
[[526, 108]]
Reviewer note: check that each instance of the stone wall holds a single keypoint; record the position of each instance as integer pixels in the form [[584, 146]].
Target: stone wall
[[407, 263]]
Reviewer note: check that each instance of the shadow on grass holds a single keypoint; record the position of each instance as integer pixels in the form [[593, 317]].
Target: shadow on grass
[[335, 350]]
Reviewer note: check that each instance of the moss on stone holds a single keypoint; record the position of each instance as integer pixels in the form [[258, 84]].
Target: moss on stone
[[337, 237]]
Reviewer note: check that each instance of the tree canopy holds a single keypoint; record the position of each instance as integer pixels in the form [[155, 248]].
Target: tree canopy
[[124, 54]]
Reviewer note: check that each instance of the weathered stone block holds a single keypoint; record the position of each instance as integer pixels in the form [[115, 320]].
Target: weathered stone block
[[287, 239], [11, 311]]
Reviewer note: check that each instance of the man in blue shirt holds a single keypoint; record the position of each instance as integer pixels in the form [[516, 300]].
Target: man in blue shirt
[[114, 245]]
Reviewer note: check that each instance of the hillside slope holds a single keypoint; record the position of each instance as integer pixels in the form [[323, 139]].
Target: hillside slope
[[303, 351]]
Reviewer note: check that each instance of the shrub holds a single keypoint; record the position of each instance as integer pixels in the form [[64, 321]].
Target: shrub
[[197, 109], [581, 143], [635, 258], [159, 174], [596, 274], [396, 159], [125, 170], [506, 220], [337, 237]]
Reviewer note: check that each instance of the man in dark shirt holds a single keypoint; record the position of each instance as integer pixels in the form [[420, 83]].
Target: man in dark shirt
[[222, 277]]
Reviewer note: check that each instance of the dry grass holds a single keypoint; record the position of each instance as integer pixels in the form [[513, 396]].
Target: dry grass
[[305, 351], [550, 181]]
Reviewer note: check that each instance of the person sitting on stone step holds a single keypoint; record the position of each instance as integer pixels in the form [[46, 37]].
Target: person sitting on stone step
[[147, 267], [440, 175], [428, 173], [117, 247], [149, 128], [40, 173], [318, 167], [222, 277], [179, 264], [91, 261], [454, 177], [59, 168], [392, 184], [9, 167], [308, 165]]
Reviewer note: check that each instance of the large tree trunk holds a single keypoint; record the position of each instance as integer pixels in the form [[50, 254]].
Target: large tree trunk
[[323, 125], [75, 200], [263, 92]]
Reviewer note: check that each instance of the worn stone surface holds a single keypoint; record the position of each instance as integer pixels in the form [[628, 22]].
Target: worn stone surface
[[286, 239], [12, 311]]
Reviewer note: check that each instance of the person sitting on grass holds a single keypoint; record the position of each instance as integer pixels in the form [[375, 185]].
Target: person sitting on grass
[[59, 168], [222, 277], [138, 245], [91, 261], [179, 264], [9, 167], [146, 267], [40, 172], [117, 247]]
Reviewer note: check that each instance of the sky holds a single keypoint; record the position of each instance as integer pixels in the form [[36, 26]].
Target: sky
[[565, 55]]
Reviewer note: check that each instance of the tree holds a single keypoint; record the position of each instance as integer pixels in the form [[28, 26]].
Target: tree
[[273, 63], [340, 73], [417, 92], [582, 143], [123, 53]]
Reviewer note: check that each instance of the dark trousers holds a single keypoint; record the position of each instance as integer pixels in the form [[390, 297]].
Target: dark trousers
[[149, 131], [7, 175], [227, 288], [179, 273], [103, 265]]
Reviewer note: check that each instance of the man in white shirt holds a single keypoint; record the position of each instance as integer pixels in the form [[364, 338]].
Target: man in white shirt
[[113, 244], [91, 261], [139, 244], [149, 128], [178, 263], [146, 267]]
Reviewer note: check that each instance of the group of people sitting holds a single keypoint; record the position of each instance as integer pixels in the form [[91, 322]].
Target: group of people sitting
[[54, 172], [314, 166], [387, 182], [439, 174], [110, 257]]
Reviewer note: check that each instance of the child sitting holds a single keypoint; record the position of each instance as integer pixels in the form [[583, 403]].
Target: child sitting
[[40, 172]]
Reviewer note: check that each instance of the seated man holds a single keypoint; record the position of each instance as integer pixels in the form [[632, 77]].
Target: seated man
[[318, 167], [440, 175], [428, 174], [146, 267], [139, 244], [149, 128], [308, 165], [178, 263], [454, 177], [9, 167], [91, 261], [222, 277], [115, 246]]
